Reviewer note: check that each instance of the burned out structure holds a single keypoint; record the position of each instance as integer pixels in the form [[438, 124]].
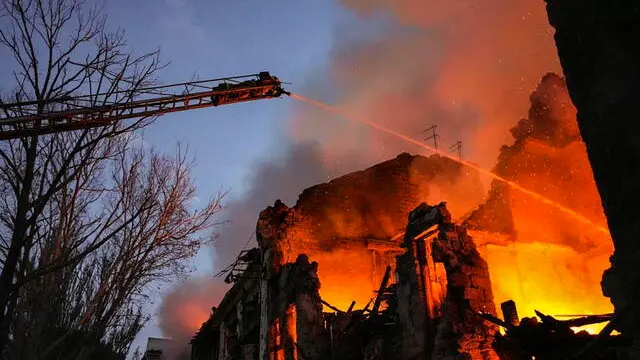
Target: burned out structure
[[362, 267], [401, 282]]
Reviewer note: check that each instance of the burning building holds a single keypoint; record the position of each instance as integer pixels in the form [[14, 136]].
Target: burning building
[[297, 292], [372, 265]]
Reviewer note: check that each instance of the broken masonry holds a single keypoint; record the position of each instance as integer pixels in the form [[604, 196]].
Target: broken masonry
[[428, 291], [274, 309]]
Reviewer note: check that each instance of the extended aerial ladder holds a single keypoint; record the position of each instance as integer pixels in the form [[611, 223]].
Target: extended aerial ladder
[[75, 113]]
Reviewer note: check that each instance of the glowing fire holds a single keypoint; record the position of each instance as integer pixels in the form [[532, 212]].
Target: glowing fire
[[553, 279], [336, 267], [555, 263], [193, 315], [348, 274], [562, 245]]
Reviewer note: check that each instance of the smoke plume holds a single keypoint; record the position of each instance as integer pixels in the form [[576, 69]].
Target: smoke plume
[[302, 165], [185, 308], [551, 261], [188, 305], [465, 66]]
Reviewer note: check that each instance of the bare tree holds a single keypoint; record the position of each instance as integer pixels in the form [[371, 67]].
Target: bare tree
[[86, 220], [99, 299]]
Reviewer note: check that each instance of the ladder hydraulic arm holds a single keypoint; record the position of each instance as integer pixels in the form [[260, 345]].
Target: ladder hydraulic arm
[[151, 101]]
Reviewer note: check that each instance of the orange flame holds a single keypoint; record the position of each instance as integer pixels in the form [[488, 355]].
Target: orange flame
[[193, 314], [556, 264]]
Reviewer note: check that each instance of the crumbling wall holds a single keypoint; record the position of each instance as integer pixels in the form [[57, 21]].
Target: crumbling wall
[[412, 309], [294, 315], [461, 330], [417, 309], [353, 225], [435, 327]]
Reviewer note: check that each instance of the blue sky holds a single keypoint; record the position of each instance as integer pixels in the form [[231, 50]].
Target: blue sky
[[213, 39], [210, 39]]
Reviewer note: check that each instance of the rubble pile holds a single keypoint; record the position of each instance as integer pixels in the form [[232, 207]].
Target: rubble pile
[[547, 338]]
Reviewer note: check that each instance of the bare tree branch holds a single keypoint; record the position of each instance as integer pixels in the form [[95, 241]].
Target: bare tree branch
[[87, 220]]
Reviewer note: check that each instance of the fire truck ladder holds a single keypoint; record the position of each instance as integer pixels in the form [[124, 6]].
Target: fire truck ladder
[[76, 113]]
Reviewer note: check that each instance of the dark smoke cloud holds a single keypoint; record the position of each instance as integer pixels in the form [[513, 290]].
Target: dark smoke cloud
[[302, 165]]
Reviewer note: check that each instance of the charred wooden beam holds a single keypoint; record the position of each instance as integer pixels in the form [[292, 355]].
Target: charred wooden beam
[[383, 286], [588, 320], [510, 313], [382, 245], [495, 320], [353, 303], [552, 339], [331, 307]]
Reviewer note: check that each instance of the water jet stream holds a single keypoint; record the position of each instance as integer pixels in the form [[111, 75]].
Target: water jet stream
[[571, 213]]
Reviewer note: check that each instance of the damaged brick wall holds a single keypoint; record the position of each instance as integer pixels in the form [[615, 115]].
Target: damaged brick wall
[[350, 224], [455, 329], [296, 325], [417, 322], [460, 330]]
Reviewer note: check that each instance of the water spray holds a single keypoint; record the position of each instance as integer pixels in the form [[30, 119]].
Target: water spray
[[571, 213]]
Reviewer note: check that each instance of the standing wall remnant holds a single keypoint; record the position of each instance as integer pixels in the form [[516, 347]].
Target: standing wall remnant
[[432, 326]]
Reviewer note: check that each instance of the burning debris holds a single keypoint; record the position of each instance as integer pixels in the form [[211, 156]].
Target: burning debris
[[275, 309], [438, 305], [547, 338]]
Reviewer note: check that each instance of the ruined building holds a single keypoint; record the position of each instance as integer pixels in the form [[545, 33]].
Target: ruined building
[[338, 276], [372, 265]]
